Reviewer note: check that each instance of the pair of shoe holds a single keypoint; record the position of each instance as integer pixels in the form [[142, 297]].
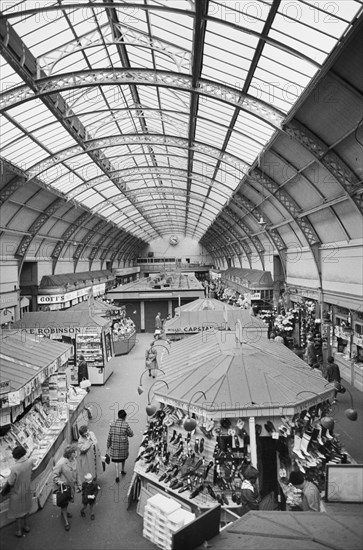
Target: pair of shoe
[[117, 479], [92, 516], [67, 527], [83, 514]]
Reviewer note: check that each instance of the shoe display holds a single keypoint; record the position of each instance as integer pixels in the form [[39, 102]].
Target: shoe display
[[196, 491], [211, 492]]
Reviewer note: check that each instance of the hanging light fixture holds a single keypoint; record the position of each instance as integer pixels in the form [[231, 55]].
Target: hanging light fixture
[[190, 423], [140, 388], [151, 408], [351, 413], [328, 421]]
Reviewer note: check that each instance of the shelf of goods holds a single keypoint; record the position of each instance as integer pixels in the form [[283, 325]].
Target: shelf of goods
[[90, 347], [255, 404], [45, 433], [199, 469], [308, 447]]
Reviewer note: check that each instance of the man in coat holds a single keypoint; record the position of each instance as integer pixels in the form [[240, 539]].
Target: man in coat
[[82, 370], [332, 374]]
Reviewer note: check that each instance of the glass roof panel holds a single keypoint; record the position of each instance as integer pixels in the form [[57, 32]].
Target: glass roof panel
[[159, 132]]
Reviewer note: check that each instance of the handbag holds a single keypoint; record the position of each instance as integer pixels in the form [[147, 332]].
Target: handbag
[[339, 387], [84, 384], [6, 489], [63, 495]]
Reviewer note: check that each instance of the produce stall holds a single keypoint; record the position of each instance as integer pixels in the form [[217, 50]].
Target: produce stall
[[38, 408], [123, 330], [88, 335], [225, 403]]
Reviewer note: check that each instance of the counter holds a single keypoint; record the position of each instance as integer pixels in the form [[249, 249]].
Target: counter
[[124, 344]]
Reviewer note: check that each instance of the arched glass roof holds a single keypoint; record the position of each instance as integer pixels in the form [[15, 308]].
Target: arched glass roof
[[152, 113]]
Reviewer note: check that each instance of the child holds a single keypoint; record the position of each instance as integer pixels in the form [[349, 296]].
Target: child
[[89, 493]]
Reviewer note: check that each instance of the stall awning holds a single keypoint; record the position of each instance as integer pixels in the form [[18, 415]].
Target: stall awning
[[57, 281], [293, 531], [24, 302], [202, 304], [54, 322], [97, 307], [249, 277], [195, 321], [263, 378], [21, 359]]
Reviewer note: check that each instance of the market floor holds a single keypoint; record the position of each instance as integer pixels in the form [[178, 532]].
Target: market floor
[[116, 527]]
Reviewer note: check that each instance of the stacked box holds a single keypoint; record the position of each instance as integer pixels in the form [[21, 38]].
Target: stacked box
[[162, 517]]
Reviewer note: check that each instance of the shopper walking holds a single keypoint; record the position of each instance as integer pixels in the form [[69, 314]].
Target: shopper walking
[[311, 500], [65, 475], [89, 455], [332, 374], [310, 353], [89, 493], [20, 496], [118, 442], [151, 356], [82, 370]]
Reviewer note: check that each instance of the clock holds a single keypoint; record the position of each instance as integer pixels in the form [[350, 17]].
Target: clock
[[173, 240]]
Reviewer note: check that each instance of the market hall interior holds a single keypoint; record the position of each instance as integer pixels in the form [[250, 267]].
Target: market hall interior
[[155, 154]]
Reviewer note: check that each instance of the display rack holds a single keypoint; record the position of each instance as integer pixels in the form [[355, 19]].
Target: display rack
[[201, 469], [90, 346]]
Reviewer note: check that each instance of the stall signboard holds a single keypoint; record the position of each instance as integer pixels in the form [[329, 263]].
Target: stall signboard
[[194, 329], [54, 331], [45, 299]]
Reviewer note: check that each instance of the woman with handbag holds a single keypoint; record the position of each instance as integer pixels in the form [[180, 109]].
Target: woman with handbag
[[151, 360], [20, 495], [118, 442], [66, 479], [89, 455]]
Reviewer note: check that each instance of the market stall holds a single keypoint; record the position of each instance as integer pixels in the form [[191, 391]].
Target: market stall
[[210, 314], [88, 335], [38, 408], [123, 330], [225, 403]]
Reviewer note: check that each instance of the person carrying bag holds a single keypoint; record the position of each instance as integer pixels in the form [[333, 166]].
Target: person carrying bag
[[151, 360]]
